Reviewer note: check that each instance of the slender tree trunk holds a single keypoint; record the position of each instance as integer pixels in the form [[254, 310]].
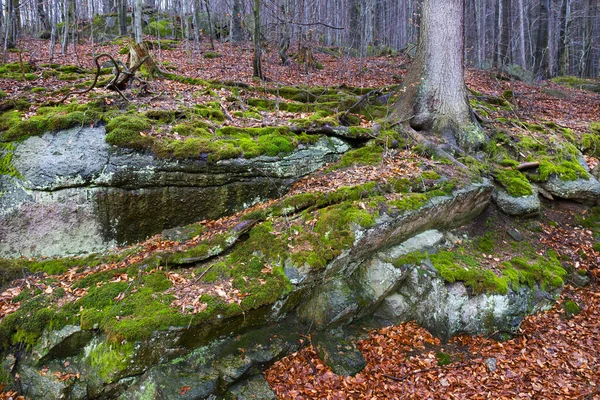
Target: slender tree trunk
[[522, 52], [137, 22], [210, 25], [43, 16], [256, 61], [122, 16], [503, 44], [541, 51], [434, 97], [562, 58], [586, 66], [236, 18], [355, 25]]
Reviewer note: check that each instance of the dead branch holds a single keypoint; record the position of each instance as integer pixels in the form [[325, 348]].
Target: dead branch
[[528, 165]]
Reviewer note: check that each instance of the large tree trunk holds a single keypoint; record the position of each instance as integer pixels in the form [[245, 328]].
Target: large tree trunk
[[434, 97], [137, 22]]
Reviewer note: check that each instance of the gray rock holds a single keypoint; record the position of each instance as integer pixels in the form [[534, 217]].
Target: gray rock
[[523, 206], [80, 195], [421, 242], [254, 388], [582, 190], [339, 353], [491, 364], [448, 309], [515, 234]]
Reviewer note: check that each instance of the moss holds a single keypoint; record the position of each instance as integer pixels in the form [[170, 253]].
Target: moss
[[432, 175], [38, 90], [186, 79], [458, 266], [209, 55], [125, 131], [590, 144], [48, 119], [410, 202], [110, 359], [571, 308], [6, 166], [486, 243], [569, 80], [515, 182], [544, 270], [368, 155], [565, 170], [443, 359], [413, 258], [162, 28], [595, 127]]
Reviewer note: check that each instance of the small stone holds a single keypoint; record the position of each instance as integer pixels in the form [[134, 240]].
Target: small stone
[[491, 364], [515, 234]]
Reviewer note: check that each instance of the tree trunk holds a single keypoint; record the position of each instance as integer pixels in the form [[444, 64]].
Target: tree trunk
[[138, 54], [434, 97], [355, 26], [256, 61], [236, 26], [541, 50], [586, 66], [43, 16], [137, 22], [122, 16], [522, 51], [562, 58], [503, 44]]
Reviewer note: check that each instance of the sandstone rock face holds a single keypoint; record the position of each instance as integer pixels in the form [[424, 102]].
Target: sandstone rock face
[[78, 194]]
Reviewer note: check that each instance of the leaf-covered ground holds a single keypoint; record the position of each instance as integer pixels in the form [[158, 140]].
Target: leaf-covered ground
[[555, 356]]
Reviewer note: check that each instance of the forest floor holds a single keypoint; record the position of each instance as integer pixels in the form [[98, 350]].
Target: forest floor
[[556, 353]]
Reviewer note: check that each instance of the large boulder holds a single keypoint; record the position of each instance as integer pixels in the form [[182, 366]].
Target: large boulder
[[78, 194]]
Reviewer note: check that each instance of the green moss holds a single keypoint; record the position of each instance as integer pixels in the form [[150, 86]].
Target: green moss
[[543, 270], [186, 79], [211, 55], [569, 80], [443, 359], [413, 258], [459, 266], [110, 359], [590, 144], [162, 28], [595, 127], [6, 166], [410, 202], [571, 308], [565, 170], [125, 131], [38, 90], [486, 243], [368, 155], [515, 182], [48, 119], [433, 175]]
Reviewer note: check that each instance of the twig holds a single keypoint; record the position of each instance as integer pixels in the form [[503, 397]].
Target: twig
[[528, 165]]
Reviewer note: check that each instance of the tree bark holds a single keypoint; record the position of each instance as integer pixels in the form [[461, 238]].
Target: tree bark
[[503, 45], [435, 97], [586, 66], [137, 22], [236, 25], [122, 16], [256, 61], [541, 51]]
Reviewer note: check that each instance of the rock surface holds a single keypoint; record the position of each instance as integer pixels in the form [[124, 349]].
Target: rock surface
[[524, 206], [78, 194]]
